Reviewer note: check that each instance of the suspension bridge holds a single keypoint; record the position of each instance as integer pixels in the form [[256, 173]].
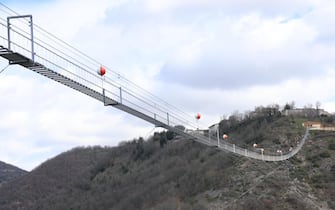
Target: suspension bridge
[[26, 44]]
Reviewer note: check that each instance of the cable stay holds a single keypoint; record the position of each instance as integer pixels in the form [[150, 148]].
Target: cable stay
[[30, 46]]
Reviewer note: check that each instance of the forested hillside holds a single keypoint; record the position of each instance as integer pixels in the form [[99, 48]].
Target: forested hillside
[[9, 172], [168, 172]]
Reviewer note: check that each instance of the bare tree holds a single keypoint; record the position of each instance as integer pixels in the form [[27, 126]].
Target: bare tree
[[292, 104], [318, 105]]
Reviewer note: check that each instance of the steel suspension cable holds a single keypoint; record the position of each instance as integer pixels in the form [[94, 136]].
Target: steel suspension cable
[[2, 70], [147, 95]]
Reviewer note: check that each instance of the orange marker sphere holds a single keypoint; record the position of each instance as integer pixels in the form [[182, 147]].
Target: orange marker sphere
[[225, 136], [102, 71], [198, 116]]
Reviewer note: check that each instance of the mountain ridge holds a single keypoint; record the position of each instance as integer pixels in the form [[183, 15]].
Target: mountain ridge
[[9, 172]]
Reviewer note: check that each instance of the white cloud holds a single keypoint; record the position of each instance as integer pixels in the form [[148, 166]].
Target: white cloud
[[68, 17], [163, 6], [41, 118], [214, 103]]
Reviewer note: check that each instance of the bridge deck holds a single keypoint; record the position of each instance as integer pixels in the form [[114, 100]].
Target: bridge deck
[[16, 58]]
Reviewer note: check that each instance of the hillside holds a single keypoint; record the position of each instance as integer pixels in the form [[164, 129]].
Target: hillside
[[9, 172], [173, 173]]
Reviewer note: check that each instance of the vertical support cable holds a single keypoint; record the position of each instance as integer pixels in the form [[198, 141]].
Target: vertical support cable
[[120, 95], [32, 38], [104, 97], [8, 31]]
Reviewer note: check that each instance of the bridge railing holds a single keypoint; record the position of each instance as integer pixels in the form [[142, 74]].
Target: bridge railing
[[60, 57], [67, 61]]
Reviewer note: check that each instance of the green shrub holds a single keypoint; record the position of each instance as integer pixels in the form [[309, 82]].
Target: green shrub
[[331, 145], [300, 173], [324, 154], [276, 141]]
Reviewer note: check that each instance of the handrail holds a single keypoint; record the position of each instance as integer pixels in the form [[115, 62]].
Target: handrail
[[53, 62]]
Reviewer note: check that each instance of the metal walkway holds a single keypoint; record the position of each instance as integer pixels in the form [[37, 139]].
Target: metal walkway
[[49, 56]]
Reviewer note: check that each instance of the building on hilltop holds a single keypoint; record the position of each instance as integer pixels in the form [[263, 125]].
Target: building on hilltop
[[306, 112], [312, 124]]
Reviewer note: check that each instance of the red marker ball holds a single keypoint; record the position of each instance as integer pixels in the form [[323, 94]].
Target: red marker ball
[[102, 71]]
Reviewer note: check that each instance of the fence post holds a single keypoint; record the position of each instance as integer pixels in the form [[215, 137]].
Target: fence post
[[104, 97], [120, 95]]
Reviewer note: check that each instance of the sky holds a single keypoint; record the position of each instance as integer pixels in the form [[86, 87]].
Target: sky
[[208, 56]]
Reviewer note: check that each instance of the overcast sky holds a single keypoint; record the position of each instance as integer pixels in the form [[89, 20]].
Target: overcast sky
[[207, 56]]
